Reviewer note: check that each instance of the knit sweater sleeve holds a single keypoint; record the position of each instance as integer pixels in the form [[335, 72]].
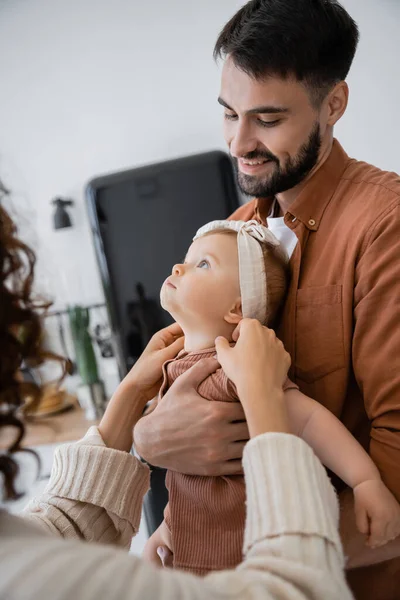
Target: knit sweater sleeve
[[95, 493], [292, 549]]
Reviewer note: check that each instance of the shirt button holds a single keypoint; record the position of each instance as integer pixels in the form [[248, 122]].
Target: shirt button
[[311, 222]]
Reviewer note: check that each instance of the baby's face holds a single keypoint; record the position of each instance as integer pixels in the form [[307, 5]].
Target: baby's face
[[203, 289]]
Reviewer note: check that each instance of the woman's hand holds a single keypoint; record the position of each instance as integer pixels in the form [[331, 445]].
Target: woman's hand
[[139, 386], [258, 356], [146, 373], [258, 366]]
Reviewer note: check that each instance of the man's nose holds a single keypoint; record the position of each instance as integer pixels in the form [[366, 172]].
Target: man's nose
[[243, 141]]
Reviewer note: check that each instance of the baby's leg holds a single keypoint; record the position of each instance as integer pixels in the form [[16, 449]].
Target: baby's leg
[[161, 537]]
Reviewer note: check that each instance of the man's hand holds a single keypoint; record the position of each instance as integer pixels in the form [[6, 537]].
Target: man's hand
[[190, 434]]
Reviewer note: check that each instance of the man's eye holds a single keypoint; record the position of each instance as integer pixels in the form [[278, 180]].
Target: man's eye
[[230, 117], [203, 264], [269, 123]]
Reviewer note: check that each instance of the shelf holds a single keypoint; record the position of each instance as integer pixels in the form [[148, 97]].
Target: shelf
[[67, 426]]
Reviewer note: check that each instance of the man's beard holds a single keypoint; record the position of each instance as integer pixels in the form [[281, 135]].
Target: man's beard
[[295, 170]]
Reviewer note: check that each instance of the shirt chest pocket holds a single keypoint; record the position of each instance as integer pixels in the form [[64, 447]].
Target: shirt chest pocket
[[319, 332]]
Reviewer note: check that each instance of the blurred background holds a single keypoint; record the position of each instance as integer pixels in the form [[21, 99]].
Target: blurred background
[[91, 87]]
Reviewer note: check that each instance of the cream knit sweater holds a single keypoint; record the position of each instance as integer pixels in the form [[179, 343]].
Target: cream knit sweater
[[292, 548]]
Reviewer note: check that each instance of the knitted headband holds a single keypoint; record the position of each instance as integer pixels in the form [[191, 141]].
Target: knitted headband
[[252, 275]]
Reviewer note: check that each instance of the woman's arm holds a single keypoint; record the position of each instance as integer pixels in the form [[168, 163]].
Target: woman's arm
[[139, 387], [258, 366], [292, 549], [96, 481], [96, 492]]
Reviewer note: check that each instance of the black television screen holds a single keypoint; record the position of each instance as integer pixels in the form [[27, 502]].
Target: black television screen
[[143, 221]]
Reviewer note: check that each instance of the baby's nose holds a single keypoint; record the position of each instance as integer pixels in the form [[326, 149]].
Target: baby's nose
[[177, 270]]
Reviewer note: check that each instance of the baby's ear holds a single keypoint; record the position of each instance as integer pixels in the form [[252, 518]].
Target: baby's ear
[[234, 316]]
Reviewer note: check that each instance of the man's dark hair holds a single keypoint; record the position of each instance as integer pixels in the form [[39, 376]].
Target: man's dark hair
[[311, 40]]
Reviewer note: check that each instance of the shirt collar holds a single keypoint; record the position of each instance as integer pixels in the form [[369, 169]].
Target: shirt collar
[[312, 201]]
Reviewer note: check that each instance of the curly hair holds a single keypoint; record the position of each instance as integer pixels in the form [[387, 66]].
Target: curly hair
[[20, 339]]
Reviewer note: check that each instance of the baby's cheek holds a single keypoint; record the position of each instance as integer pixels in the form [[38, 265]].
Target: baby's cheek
[[162, 296], [167, 299], [195, 299], [212, 302]]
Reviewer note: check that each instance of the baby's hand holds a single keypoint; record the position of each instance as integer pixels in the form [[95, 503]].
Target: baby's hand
[[377, 512]]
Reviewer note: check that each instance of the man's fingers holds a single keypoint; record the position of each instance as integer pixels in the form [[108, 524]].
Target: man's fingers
[[231, 411], [230, 467], [196, 374], [236, 450], [238, 432]]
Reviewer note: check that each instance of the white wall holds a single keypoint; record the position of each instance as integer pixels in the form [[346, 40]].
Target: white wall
[[370, 128], [91, 86]]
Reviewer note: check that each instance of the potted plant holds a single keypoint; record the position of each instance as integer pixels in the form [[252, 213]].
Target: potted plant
[[90, 393]]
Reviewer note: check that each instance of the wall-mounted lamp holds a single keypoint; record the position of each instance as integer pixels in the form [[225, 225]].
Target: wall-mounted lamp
[[61, 218]]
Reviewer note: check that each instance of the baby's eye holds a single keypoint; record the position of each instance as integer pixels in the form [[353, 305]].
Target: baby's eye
[[203, 264]]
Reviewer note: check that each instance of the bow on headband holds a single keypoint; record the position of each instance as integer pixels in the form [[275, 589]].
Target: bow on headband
[[252, 276]]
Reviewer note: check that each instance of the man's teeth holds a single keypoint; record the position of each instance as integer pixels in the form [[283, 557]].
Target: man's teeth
[[253, 162]]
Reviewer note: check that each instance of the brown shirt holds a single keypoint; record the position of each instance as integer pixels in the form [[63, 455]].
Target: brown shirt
[[205, 515], [341, 320]]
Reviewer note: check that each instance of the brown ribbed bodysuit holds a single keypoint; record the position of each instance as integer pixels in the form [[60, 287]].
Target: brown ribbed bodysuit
[[205, 515]]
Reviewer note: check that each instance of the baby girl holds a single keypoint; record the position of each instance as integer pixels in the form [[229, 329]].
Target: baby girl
[[236, 270]]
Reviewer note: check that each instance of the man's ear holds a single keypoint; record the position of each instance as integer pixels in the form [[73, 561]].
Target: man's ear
[[235, 315], [337, 102]]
